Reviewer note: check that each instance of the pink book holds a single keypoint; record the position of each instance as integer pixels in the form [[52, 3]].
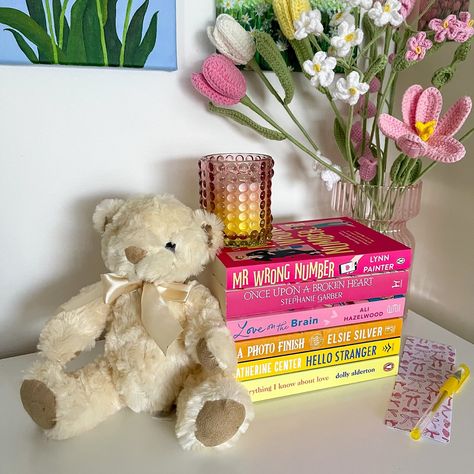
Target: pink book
[[306, 295], [328, 316], [310, 251]]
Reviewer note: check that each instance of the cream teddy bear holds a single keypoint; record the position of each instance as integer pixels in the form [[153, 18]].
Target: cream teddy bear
[[166, 342]]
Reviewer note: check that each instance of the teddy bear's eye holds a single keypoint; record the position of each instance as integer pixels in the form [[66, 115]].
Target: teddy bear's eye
[[170, 246]]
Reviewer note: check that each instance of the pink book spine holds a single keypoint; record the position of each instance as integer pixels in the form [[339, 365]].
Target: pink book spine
[[278, 298], [269, 273], [320, 318]]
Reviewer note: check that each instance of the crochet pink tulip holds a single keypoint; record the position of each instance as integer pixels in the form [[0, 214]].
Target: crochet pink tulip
[[367, 167], [356, 138], [448, 28], [417, 46], [220, 81], [466, 27], [422, 133]]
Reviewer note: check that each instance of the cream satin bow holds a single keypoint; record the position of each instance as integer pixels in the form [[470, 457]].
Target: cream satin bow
[[156, 317]]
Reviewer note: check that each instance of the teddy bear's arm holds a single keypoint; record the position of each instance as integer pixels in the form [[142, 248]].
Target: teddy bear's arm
[[207, 339], [76, 325]]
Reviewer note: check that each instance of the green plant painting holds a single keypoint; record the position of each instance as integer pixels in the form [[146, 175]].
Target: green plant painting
[[258, 15], [120, 33]]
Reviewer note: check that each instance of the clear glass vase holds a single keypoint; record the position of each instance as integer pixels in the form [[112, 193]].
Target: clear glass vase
[[386, 209]]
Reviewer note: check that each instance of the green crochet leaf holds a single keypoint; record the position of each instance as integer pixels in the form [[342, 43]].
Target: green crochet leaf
[[242, 119], [303, 50], [396, 36], [368, 28], [377, 66], [442, 76], [462, 51], [415, 172], [396, 167], [268, 49], [400, 172], [400, 63]]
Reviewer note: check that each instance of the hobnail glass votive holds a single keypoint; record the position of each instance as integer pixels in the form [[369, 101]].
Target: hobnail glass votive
[[237, 188]]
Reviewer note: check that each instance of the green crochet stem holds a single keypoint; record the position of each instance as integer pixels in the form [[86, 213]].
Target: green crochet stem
[[242, 119], [350, 158], [364, 124], [366, 48], [248, 103], [255, 67], [333, 105]]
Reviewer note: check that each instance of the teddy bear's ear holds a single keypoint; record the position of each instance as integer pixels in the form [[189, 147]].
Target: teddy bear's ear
[[104, 212], [212, 227]]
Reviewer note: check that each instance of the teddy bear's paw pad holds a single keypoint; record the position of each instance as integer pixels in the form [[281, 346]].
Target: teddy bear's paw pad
[[205, 356], [218, 421], [39, 402]]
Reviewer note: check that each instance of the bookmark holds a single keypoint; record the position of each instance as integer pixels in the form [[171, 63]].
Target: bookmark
[[424, 367]]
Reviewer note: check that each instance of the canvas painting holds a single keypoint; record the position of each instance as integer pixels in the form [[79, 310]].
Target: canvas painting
[[259, 15], [108, 33]]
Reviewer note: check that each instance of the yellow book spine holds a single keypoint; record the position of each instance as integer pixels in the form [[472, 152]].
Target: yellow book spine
[[317, 379], [294, 343], [315, 359]]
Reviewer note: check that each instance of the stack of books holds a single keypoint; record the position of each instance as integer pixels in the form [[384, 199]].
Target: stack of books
[[320, 305]]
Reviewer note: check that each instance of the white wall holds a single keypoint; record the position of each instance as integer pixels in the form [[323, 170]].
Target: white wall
[[72, 136]]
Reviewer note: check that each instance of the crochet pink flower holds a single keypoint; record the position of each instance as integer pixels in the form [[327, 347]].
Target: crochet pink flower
[[417, 46], [466, 27], [421, 133], [448, 28], [406, 8], [220, 81]]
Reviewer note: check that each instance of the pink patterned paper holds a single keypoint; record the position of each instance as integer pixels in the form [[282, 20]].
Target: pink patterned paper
[[424, 366]]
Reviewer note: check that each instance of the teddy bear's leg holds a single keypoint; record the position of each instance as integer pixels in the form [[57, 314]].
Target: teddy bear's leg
[[212, 411], [67, 404]]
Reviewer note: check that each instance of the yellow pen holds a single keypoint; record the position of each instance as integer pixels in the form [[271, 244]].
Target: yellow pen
[[448, 389]]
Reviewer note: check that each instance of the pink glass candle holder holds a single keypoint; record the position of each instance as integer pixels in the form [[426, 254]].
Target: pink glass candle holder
[[237, 188]]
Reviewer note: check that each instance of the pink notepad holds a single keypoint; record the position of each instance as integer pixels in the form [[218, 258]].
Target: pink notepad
[[424, 366]]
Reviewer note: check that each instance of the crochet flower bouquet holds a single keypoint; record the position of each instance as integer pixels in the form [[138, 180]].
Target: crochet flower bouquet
[[372, 43]]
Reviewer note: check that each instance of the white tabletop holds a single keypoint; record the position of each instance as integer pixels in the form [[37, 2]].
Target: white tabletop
[[330, 431]]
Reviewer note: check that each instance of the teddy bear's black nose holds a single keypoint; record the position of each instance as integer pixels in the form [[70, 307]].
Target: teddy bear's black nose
[[135, 254], [170, 246]]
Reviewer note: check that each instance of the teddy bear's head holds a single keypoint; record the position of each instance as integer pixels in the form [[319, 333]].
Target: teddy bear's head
[[156, 238]]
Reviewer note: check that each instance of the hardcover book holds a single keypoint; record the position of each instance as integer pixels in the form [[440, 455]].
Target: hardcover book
[[306, 295], [311, 251], [317, 379], [377, 309], [311, 340], [315, 359]]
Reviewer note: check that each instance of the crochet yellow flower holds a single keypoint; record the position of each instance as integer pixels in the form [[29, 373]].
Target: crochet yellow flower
[[287, 12]]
